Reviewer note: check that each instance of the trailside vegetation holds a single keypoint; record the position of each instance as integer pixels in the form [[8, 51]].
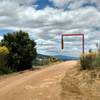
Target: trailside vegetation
[[21, 49], [4, 69], [91, 59]]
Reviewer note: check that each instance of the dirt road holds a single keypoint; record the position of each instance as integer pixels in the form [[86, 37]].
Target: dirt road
[[42, 84]]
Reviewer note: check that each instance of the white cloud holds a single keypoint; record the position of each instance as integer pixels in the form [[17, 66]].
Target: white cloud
[[60, 3], [1, 38], [47, 25], [19, 2]]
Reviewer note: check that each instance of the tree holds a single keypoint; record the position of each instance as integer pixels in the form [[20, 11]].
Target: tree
[[22, 50]]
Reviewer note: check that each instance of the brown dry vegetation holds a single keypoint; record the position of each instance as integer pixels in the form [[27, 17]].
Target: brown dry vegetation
[[81, 85]]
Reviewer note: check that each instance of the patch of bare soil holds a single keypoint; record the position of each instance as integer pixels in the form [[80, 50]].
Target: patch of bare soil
[[41, 84], [81, 85]]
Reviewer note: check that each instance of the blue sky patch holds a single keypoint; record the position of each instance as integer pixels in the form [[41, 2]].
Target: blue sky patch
[[4, 31], [43, 3]]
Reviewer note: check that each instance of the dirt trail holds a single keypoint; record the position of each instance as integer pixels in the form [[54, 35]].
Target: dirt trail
[[42, 84]]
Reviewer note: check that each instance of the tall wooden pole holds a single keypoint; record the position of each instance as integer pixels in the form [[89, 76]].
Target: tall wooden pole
[[62, 42], [83, 42]]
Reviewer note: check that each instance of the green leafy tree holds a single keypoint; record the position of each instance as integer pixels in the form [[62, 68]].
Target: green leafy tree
[[22, 50]]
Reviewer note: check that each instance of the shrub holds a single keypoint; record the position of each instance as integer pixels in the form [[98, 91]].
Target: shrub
[[5, 70], [22, 50], [87, 60], [3, 61], [3, 56], [4, 50], [52, 59], [96, 62]]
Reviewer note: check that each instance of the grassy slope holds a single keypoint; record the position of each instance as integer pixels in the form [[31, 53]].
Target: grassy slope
[[81, 85]]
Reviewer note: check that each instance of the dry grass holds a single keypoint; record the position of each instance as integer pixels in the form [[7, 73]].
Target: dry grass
[[81, 85]]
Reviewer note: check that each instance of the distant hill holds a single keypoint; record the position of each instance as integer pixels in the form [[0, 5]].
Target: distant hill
[[46, 59], [65, 58]]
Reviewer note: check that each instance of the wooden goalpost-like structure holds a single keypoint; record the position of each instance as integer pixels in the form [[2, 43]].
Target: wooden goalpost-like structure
[[62, 40]]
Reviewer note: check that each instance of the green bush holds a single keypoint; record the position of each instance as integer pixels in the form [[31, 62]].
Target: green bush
[[5, 70], [22, 50]]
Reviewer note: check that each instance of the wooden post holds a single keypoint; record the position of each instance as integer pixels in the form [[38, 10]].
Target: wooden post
[[62, 42]]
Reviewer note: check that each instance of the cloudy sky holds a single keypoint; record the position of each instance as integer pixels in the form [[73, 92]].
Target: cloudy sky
[[46, 20]]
